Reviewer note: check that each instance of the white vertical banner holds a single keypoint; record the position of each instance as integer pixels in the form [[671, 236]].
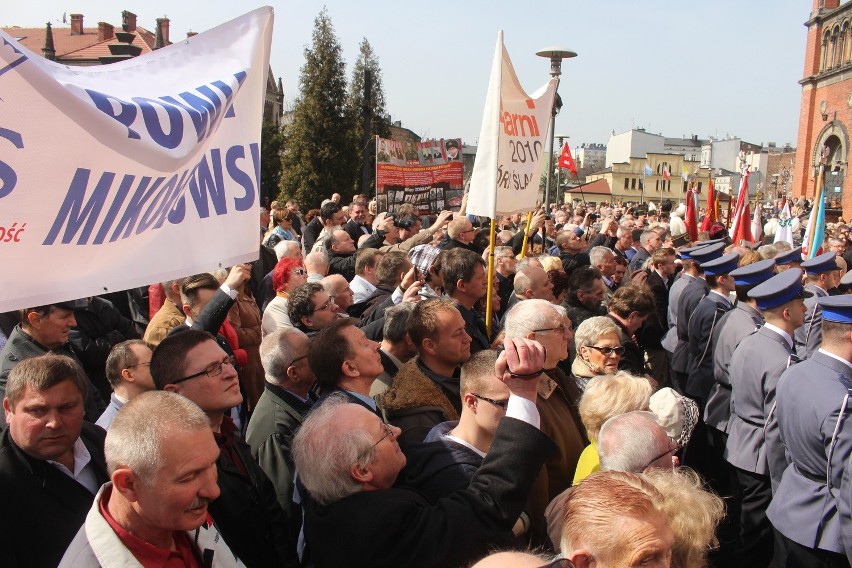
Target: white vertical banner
[[507, 170], [135, 172]]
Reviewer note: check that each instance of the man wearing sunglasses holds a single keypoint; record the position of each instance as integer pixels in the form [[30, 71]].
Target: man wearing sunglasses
[[247, 512]]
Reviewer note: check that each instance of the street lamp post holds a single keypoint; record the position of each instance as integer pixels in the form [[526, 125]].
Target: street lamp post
[[556, 55]]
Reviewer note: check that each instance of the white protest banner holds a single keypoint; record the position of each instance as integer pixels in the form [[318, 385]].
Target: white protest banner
[[507, 169], [131, 173]]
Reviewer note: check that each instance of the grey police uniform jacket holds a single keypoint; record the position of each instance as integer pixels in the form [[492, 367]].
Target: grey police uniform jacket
[[809, 337], [753, 442], [689, 299], [735, 325], [810, 400], [670, 340], [702, 323]]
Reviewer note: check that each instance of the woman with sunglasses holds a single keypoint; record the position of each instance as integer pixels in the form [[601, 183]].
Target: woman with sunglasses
[[282, 230], [599, 350], [288, 275]]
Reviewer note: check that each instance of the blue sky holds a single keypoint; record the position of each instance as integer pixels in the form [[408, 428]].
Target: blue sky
[[716, 67]]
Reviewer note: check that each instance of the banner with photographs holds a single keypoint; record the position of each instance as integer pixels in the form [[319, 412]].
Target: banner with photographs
[[429, 174]]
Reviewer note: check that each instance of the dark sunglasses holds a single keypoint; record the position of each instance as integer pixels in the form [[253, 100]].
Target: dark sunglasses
[[608, 350]]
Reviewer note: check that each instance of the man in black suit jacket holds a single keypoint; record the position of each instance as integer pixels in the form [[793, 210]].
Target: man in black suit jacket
[[247, 511], [355, 225], [660, 278], [47, 482], [355, 516]]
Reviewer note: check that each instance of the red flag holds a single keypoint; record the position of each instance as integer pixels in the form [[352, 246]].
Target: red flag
[[741, 229], [712, 208], [666, 173], [691, 220], [566, 160]]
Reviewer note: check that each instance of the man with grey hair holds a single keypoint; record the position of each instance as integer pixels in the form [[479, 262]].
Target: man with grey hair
[[316, 263], [161, 457], [396, 347], [557, 401], [51, 462], [280, 411], [649, 242], [603, 259], [338, 288], [288, 249], [349, 460], [634, 442]]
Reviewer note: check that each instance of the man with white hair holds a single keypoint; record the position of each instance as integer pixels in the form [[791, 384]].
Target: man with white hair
[[286, 400], [316, 263], [338, 288], [603, 259], [288, 249], [558, 398], [348, 460], [161, 458]]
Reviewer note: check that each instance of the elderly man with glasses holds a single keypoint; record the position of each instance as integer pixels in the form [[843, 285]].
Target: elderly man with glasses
[[247, 512], [558, 397]]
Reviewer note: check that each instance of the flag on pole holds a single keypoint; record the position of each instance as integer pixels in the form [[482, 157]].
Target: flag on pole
[[741, 226], [666, 173], [785, 225], [815, 231], [684, 173], [712, 213], [691, 220], [508, 163], [567, 161], [648, 170]]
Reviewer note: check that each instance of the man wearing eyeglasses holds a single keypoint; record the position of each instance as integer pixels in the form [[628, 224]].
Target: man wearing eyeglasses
[[311, 308], [460, 234], [128, 370], [356, 517], [247, 513]]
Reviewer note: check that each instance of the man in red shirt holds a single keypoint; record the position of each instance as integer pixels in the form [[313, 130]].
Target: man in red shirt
[[162, 461]]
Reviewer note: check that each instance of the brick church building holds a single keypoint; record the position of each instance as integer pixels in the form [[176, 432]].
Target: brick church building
[[825, 117]]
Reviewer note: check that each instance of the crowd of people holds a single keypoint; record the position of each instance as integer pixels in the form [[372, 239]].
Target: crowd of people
[[352, 397]]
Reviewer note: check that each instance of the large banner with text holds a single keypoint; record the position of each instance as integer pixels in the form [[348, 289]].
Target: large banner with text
[[429, 174], [508, 166], [131, 173]]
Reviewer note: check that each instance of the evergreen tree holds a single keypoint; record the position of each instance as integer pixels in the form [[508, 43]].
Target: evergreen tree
[[374, 109], [318, 157], [271, 146]]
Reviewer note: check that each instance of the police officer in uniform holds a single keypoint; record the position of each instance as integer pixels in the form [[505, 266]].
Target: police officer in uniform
[[687, 275], [689, 298], [821, 272], [788, 259], [733, 326], [812, 508], [753, 447], [703, 322]]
